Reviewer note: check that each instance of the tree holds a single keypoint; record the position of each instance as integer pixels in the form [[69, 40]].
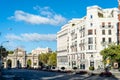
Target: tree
[[112, 52], [52, 59], [29, 63], [91, 68], [3, 51], [10, 52], [44, 58], [48, 59]]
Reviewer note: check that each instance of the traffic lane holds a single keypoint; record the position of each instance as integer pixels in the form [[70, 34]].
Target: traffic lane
[[43, 75]]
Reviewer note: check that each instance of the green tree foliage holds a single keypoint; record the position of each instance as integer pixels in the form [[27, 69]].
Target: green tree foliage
[[3, 51], [29, 63], [91, 68], [48, 59], [52, 59], [10, 52], [112, 52], [44, 58]]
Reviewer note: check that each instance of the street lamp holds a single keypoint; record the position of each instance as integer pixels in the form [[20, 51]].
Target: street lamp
[[1, 52]]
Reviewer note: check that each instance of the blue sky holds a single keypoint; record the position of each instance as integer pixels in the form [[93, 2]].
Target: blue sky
[[34, 23]]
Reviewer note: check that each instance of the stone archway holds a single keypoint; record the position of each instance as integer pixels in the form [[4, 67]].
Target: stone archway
[[29, 63], [9, 63], [18, 64]]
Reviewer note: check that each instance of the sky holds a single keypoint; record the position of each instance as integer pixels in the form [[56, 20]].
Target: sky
[[30, 24]]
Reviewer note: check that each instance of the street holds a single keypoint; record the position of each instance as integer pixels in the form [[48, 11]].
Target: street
[[24, 74]]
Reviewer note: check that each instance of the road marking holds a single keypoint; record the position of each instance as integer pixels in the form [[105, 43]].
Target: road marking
[[46, 78]]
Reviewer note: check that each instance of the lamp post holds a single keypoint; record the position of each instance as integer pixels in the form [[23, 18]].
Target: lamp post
[[1, 52]]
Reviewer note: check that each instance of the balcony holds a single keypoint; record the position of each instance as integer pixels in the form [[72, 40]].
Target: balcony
[[106, 26]]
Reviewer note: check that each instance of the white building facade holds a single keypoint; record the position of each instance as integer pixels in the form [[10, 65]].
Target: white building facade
[[80, 41], [39, 50]]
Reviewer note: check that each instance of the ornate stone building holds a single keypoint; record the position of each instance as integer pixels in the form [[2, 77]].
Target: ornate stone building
[[19, 59]]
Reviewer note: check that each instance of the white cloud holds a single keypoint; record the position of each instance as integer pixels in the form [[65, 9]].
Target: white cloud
[[47, 16], [13, 37], [32, 37], [45, 11]]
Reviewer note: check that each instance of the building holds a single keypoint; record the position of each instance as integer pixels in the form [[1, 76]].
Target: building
[[20, 59], [41, 50], [80, 41]]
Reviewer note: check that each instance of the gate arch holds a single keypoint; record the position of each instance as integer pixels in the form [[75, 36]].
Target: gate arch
[[29, 63], [9, 63]]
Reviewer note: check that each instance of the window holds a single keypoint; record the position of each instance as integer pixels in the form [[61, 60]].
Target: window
[[82, 66], [74, 36], [109, 40], [90, 32], [83, 56], [103, 24], [103, 32], [103, 39], [73, 24], [91, 24], [62, 59], [90, 47], [109, 25], [90, 40], [73, 56], [91, 55], [83, 33], [73, 63], [91, 63], [95, 40], [83, 47], [109, 32], [91, 16]]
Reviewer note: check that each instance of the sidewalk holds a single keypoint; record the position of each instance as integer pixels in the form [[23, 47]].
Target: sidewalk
[[116, 73]]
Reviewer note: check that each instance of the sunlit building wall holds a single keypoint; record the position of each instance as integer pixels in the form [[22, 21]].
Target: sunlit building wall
[[80, 41]]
